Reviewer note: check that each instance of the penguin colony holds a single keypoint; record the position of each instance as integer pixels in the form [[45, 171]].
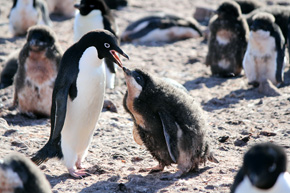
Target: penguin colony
[[74, 84]]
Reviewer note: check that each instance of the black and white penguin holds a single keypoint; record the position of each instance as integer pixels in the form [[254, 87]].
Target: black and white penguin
[[167, 121], [263, 171], [91, 15], [265, 56], [161, 27], [227, 42], [9, 70], [19, 174], [281, 14], [78, 98], [116, 4], [63, 7], [27, 13], [38, 65]]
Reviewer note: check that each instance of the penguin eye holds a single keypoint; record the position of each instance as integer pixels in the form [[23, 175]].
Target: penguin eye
[[107, 45], [272, 168]]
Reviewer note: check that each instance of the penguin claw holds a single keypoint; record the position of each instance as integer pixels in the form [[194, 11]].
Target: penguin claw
[[78, 173]]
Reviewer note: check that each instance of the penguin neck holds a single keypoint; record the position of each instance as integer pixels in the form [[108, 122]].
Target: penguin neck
[[90, 58], [94, 13], [26, 3]]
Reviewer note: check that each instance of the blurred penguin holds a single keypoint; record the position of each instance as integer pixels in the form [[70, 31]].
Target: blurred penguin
[[227, 40], [26, 13], [20, 175], [91, 15], [248, 6], [263, 171], [61, 7], [37, 69], [116, 4], [265, 55]]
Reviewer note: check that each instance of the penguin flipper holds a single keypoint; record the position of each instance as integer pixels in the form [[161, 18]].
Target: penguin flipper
[[170, 128], [238, 179]]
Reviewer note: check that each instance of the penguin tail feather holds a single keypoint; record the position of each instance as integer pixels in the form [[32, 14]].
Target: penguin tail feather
[[50, 150]]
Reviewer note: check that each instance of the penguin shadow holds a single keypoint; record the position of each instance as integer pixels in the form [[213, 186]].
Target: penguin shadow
[[232, 98], [209, 82], [138, 183], [24, 120], [53, 180], [59, 17]]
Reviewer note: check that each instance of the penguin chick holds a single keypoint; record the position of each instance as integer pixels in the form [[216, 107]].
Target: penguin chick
[[9, 70], [227, 40], [19, 174], [63, 7], [91, 15], [27, 13], [161, 27], [38, 66], [265, 55], [167, 121], [263, 171], [77, 99]]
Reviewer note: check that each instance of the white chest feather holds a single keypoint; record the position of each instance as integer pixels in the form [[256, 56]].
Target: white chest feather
[[84, 24], [83, 112], [282, 185], [22, 16]]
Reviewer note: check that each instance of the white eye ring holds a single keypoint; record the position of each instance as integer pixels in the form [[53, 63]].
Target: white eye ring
[[107, 45]]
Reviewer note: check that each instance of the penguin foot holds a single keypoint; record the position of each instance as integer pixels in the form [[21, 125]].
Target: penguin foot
[[157, 168], [78, 173]]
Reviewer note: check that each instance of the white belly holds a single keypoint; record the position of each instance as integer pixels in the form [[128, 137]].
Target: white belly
[[23, 16], [83, 112], [84, 24], [282, 185]]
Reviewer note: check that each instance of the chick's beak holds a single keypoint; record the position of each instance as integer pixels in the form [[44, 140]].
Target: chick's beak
[[116, 57]]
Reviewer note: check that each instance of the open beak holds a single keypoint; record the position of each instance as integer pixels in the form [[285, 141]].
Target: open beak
[[127, 71], [116, 57]]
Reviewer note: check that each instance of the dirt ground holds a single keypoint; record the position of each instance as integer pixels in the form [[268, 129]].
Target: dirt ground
[[232, 108]]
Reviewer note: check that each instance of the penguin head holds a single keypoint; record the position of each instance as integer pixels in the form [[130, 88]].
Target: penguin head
[[263, 163], [40, 37], [19, 174], [136, 80], [105, 43], [229, 9], [263, 24], [86, 6]]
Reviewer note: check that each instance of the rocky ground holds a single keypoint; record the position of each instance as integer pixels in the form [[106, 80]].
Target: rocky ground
[[232, 108]]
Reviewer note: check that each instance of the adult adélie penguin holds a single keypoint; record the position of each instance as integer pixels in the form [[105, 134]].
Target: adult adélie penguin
[[78, 98]]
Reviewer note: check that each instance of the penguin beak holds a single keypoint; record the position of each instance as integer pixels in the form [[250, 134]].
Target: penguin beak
[[116, 57], [127, 71], [77, 6]]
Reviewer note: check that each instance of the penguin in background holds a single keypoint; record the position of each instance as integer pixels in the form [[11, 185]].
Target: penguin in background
[[91, 15], [167, 121], [228, 39], [63, 7], [265, 56], [9, 70], [27, 13], [77, 99], [38, 64], [247, 6], [161, 27], [263, 171], [19, 174]]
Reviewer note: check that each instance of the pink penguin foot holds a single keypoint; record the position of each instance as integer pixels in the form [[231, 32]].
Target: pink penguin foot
[[78, 173]]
